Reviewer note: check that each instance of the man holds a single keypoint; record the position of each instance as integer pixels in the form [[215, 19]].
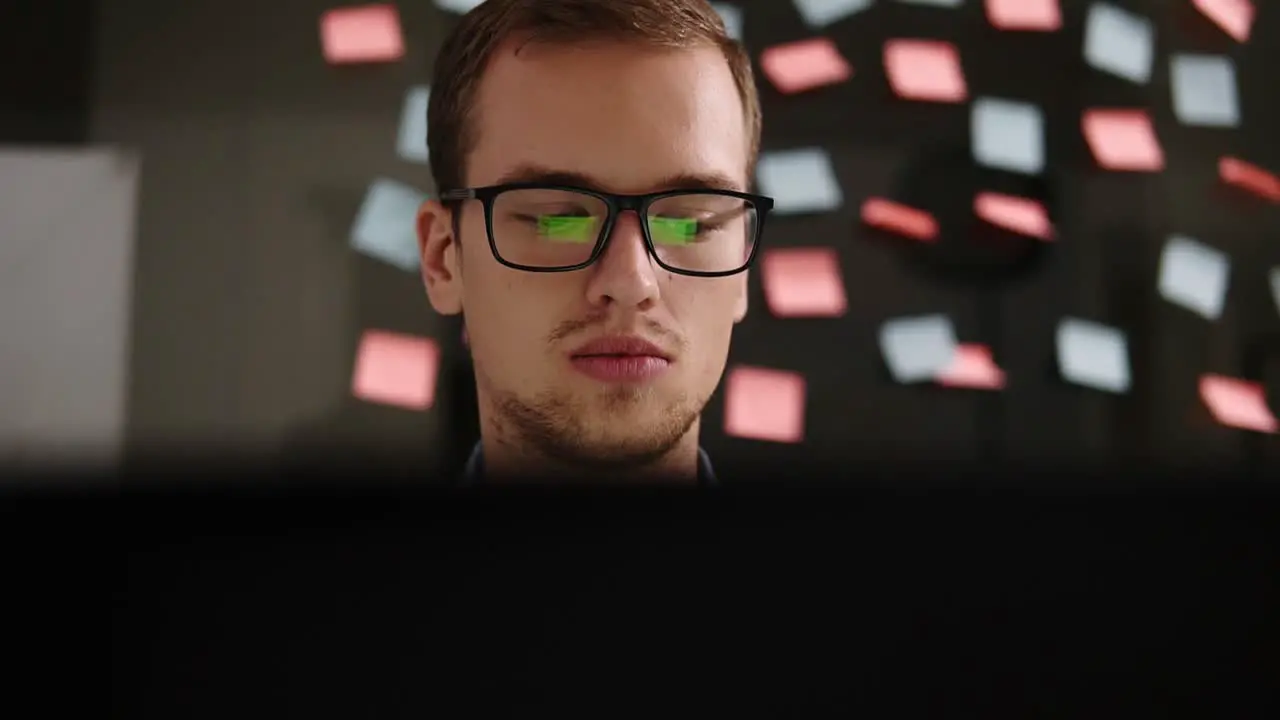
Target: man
[[593, 160]]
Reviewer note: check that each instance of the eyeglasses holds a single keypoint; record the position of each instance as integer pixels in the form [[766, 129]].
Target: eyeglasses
[[558, 228]]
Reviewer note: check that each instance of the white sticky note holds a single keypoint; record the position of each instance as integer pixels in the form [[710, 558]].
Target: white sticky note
[[386, 225], [919, 348], [461, 7], [1119, 42], [935, 3], [411, 141], [1194, 276], [1007, 135], [1274, 276], [1204, 90], [732, 17], [1093, 355], [799, 181], [820, 13]]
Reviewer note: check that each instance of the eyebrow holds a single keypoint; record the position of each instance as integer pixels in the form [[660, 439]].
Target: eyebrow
[[680, 181]]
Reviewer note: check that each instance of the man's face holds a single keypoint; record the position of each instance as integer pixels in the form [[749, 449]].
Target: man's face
[[625, 119]]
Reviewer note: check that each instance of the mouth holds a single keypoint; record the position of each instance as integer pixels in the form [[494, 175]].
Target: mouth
[[622, 359]]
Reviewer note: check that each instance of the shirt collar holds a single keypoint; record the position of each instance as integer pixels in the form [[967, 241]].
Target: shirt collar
[[474, 470]]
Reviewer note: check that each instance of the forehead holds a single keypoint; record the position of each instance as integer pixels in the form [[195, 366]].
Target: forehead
[[625, 115]]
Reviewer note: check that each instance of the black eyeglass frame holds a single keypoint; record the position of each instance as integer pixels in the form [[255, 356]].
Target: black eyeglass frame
[[616, 205]]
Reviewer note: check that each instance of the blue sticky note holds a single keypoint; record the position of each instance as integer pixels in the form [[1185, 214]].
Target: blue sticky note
[[1195, 276], [732, 17], [411, 142], [1119, 42], [1204, 90], [820, 13], [799, 181], [386, 225], [917, 348], [1093, 355], [461, 7], [1007, 135]]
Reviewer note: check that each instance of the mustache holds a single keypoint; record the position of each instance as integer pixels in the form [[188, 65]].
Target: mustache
[[648, 327]]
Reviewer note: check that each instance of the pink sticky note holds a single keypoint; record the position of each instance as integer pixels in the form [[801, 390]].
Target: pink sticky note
[[1036, 15], [1249, 177], [804, 65], [1238, 403], [972, 367], [1123, 140], [1021, 215], [365, 33], [900, 219], [925, 70], [396, 369], [764, 404], [803, 282], [1235, 17]]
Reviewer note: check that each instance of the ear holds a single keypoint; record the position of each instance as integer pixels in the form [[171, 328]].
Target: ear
[[441, 265], [740, 308]]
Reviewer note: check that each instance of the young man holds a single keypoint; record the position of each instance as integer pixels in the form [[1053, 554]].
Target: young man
[[593, 161]]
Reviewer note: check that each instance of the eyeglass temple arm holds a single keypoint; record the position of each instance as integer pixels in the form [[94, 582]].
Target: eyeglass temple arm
[[458, 195]]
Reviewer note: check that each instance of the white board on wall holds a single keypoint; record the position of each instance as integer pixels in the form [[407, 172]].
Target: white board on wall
[[67, 229]]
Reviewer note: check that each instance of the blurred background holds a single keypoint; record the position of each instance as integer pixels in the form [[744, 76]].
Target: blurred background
[[192, 265]]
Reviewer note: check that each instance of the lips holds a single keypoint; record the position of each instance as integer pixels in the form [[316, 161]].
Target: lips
[[620, 347]]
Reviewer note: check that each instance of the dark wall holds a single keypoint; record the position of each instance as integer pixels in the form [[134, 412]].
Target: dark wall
[[256, 153], [45, 51]]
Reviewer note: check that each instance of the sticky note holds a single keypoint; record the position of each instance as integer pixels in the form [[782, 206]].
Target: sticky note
[[918, 348], [1119, 42], [1007, 135], [820, 13], [1194, 276], [1235, 17], [411, 141], [396, 369], [973, 368], [1204, 90], [1250, 178], [925, 70], [1093, 355], [459, 7], [1238, 403], [1274, 278], [934, 3], [900, 219], [731, 15], [764, 404], [805, 65], [386, 224], [803, 282], [1028, 15], [1123, 140], [1017, 214], [361, 34], [799, 181]]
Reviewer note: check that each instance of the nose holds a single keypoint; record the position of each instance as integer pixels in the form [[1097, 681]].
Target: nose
[[625, 274]]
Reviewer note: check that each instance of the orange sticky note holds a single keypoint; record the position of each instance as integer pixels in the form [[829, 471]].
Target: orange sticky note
[[803, 282], [764, 404], [396, 369], [804, 65], [1036, 15], [925, 70], [1249, 177], [900, 219], [972, 368], [1235, 17], [1021, 215], [361, 34], [1238, 403], [1123, 140]]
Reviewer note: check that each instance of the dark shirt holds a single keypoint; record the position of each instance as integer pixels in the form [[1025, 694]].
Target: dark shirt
[[473, 473]]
